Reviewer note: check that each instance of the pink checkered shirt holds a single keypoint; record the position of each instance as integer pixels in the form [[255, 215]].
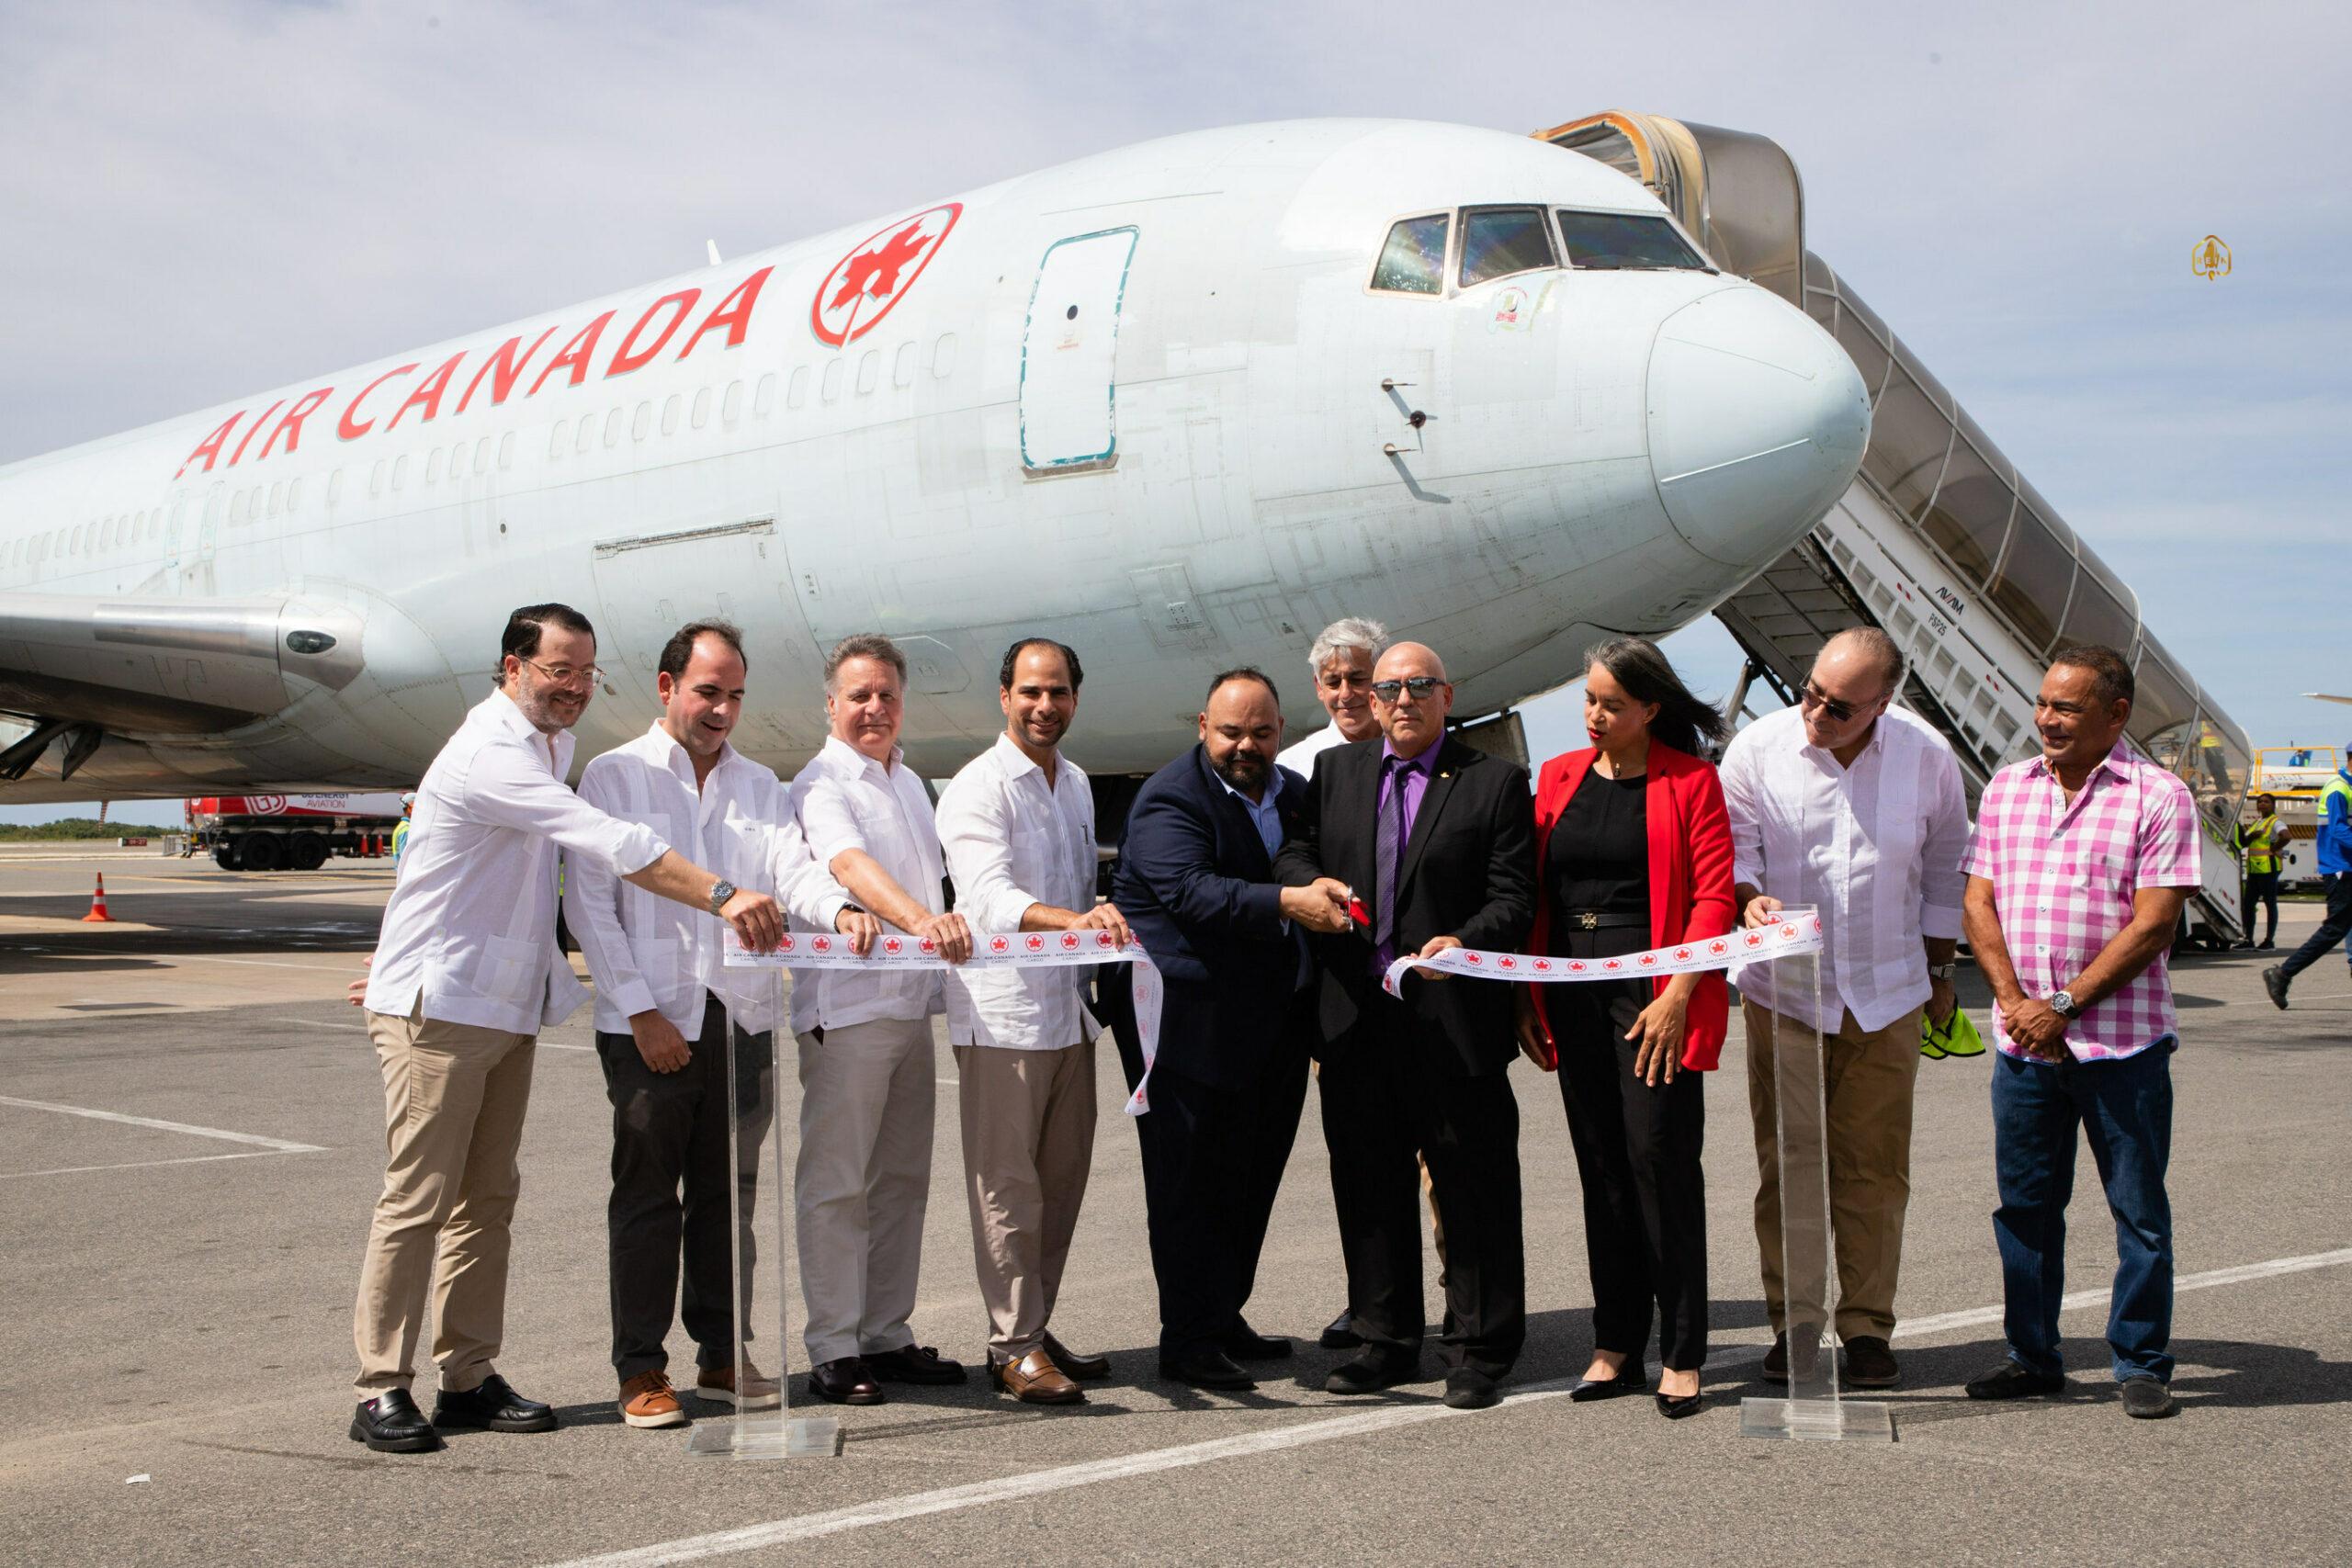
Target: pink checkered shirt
[[2062, 880]]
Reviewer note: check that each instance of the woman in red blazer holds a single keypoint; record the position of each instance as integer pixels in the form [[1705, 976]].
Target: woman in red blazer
[[1633, 850]]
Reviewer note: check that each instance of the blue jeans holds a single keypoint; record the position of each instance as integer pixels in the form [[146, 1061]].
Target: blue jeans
[[2125, 1108]]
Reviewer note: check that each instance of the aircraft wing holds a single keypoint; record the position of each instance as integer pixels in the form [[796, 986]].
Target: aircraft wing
[[75, 668], [2328, 697]]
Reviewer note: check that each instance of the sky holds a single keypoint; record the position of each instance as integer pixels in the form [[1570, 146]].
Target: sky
[[199, 201]]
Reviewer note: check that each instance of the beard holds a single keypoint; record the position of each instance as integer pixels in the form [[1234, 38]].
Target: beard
[[1243, 770]]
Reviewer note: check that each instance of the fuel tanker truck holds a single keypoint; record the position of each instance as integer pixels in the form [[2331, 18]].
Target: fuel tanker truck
[[291, 833]]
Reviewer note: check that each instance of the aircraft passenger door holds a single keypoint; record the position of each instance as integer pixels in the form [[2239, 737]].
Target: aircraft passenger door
[[1068, 355]]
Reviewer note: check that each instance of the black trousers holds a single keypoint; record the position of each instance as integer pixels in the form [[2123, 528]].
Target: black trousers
[[1637, 1154], [2261, 887], [671, 1176], [1394, 1096], [1213, 1161], [2332, 927]]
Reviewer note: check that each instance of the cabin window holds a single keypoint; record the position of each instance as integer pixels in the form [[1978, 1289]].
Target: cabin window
[[701, 416], [640, 423], [1500, 241], [587, 436], [943, 356], [833, 384], [797, 394], [762, 397], [334, 487], [433, 466], [670, 411], [556, 436], [902, 367], [399, 472], [1616, 242], [277, 498], [376, 479], [1413, 261], [613, 428], [869, 370], [505, 449], [483, 450], [294, 495]]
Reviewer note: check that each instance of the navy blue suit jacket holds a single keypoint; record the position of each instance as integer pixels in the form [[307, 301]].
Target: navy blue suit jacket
[[1198, 889]]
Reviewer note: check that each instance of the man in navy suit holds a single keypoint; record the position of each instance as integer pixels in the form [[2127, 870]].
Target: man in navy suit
[[1196, 881]]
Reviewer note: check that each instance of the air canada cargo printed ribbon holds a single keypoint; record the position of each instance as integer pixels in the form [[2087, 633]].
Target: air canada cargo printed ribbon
[[1786, 939], [991, 950]]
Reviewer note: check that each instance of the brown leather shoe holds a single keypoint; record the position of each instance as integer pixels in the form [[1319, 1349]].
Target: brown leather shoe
[[646, 1401], [755, 1392], [1084, 1369], [1034, 1380]]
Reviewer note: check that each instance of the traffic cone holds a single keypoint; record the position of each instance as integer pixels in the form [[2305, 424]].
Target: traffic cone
[[98, 904]]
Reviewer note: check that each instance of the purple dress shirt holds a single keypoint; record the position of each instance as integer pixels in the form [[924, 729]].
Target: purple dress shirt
[[1413, 776]]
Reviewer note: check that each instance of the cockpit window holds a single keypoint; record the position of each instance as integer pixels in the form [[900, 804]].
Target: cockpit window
[[1500, 241], [1413, 261], [1604, 242]]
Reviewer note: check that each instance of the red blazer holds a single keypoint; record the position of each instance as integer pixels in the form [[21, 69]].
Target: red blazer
[[1691, 886]]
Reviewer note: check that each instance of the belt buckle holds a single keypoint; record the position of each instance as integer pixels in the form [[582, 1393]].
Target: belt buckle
[[1587, 921]]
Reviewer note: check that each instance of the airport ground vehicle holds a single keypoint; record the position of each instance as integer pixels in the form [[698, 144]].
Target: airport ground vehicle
[[291, 833]]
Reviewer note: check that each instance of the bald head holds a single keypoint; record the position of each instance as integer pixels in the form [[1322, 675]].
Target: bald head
[[1414, 720], [1853, 677]]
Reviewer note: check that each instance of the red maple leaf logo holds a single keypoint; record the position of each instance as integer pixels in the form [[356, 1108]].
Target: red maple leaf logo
[[928, 945], [1717, 945], [1035, 943], [1789, 932], [876, 273], [1612, 964], [892, 945], [786, 945], [997, 944], [1543, 966], [1648, 959], [823, 944], [1069, 941], [1472, 958], [1506, 963], [1681, 953]]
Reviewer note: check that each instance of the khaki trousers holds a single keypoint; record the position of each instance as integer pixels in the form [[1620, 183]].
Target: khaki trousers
[[454, 1099], [1867, 1083], [861, 1183], [1028, 1122]]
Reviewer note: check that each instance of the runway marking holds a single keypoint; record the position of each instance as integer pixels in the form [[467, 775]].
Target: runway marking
[[144, 1164], [276, 1145], [950, 1499], [260, 964]]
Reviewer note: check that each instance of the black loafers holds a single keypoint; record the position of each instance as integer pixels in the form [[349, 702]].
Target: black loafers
[[1340, 1333], [392, 1424], [495, 1406], [1467, 1388], [1870, 1364], [914, 1363], [1246, 1344], [2012, 1380], [1371, 1372], [1207, 1367], [845, 1381], [1075, 1367]]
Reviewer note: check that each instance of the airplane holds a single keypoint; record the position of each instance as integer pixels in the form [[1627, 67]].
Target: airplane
[[1178, 405], [2327, 697]]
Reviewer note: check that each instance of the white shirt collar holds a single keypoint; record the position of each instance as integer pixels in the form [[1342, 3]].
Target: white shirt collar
[[847, 756], [1013, 760], [679, 760]]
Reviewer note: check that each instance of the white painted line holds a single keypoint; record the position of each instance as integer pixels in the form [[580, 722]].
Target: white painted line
[[144, 1164], [949, 1499], [351, 969], [278, 1146]]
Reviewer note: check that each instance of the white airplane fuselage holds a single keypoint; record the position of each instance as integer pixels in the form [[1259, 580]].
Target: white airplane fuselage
[[1148, 404]]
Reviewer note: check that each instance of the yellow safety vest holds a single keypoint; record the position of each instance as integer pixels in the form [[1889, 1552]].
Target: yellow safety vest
[[2257, 839]]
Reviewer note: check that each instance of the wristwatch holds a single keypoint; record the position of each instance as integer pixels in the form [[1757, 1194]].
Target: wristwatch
[[2062, 1002], [720, 891], [1942, 971]]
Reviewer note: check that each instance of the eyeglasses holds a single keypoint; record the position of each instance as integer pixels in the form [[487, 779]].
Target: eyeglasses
[[1814, 696], [1419, 685], [564, 674]]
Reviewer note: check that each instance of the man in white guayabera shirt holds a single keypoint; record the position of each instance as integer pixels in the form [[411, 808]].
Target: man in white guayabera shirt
[[466, 973], [1851, 805], [866, 1070], [663, 1001], [1017, 826]]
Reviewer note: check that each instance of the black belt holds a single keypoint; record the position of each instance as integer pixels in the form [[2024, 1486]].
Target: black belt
[[1598, 920]]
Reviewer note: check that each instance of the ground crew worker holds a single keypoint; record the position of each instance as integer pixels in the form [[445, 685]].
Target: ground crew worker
[[399, 834], [2335, 847], [2262, 841]]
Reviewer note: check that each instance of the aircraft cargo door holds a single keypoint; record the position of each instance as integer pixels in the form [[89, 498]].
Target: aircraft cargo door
[[1068, 355]]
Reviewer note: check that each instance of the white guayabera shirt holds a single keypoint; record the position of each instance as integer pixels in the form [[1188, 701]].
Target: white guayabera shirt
[[1876, 847], [845, 800], [1011, 841], [469, 931], [650, 952]]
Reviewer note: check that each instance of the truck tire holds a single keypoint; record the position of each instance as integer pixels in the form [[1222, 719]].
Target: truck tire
[[224, 855], [307, 852], [261, 851]]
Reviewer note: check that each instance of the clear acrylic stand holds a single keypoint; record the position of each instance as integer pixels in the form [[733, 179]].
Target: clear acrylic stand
[[763, 1426], [1814, 1409]]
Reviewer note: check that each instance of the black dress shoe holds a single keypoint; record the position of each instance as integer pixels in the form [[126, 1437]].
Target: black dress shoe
[[2145, 1399], [914, 1363], [1467, 1388], [1205, 1367], [1340, 1333], [845, 1381], [1246, 1344], [493, 1405], [1371, 1372], [2274, 980], [1675, 1407], [2013, 1380], [392, 1424], [1629, 1380], [1075, 1367]]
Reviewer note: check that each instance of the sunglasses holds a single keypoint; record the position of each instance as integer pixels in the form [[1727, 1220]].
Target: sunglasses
[[1419, 685], [1814, 696]]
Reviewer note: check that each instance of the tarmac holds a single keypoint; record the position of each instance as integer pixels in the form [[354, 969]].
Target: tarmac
[[191, 1137]]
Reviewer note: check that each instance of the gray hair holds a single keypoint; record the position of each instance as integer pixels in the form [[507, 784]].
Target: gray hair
[[1346, 636], [1878, 648], [862, 644]]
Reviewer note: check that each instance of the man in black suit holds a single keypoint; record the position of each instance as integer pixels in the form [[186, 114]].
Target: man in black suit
[[1196, 883], [1436, 840]]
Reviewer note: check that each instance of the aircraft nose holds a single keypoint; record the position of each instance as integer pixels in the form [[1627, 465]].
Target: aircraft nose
[[1757, 423]]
